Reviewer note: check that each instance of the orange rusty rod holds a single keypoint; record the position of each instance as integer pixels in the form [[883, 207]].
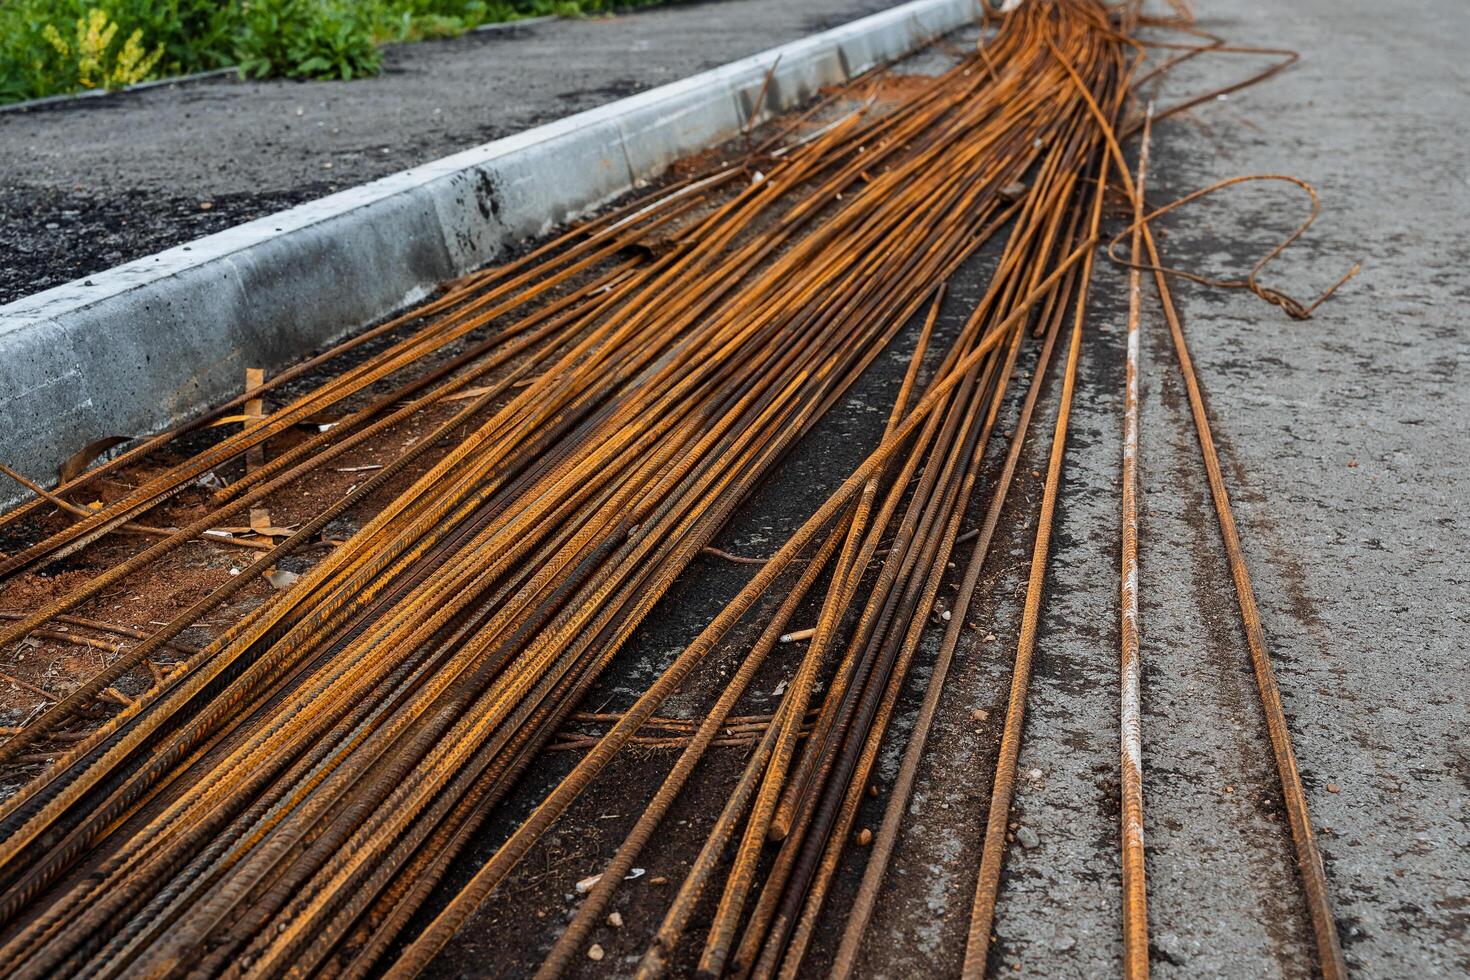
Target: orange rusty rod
[[447, 922], [1309, 860], [993, 851], [1135, 889]]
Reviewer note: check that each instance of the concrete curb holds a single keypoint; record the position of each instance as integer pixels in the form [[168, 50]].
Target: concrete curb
[[140, 346]]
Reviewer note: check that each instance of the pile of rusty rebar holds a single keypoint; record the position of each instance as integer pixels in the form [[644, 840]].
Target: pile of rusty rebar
[[288, 798]]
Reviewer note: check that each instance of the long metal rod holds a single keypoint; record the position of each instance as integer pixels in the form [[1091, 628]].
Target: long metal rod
[[1135, 888], [1330, 958]]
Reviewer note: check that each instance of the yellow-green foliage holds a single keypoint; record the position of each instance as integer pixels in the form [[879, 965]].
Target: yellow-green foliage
[[92, 61], [48, 47]]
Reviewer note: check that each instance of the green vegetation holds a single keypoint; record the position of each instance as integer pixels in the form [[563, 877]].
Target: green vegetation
[[48, 47]]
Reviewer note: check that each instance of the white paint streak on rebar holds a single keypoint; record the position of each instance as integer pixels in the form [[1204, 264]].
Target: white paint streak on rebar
[[1135, 917]]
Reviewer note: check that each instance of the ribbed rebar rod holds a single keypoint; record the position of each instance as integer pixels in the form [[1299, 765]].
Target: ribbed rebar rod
[[1135, 889]]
